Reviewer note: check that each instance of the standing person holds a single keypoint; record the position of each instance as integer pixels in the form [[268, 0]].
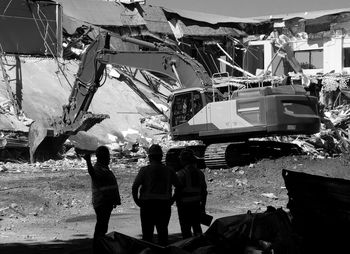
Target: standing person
[[191, 198], [152, 192], [105, 191]]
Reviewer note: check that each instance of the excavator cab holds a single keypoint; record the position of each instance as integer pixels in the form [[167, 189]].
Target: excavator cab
[[188, 102], [185, 106], [188, 106]]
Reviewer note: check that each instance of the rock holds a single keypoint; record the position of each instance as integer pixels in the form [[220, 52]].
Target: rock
[[241, 172], [269, 195], [71, 154], [3, 168], [242, 182], [13, 205], [235, 169]]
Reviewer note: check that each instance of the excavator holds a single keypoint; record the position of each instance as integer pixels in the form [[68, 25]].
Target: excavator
[[222, 123]]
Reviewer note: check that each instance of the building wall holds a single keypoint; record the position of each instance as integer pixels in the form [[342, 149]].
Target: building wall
[[331, 43]]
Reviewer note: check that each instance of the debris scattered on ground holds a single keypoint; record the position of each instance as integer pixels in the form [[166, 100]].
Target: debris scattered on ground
[[156, 122]]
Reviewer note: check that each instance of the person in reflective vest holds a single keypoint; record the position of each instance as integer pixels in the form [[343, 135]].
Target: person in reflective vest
[[152, 191], [105, 192], [191, 197]]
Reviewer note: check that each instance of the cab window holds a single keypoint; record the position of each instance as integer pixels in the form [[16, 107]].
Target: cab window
[[186, 106]]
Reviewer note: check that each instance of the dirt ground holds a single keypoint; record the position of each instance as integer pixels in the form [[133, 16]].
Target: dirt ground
[[47, 207]]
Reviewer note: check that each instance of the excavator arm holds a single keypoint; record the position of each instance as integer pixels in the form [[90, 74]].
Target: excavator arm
[[46, 141], [165, 64]]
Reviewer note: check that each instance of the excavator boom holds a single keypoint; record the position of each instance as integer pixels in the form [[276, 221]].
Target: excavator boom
[[169, 64]]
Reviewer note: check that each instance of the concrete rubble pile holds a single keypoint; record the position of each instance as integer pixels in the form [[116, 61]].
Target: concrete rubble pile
[[14, 129], [334, 137]]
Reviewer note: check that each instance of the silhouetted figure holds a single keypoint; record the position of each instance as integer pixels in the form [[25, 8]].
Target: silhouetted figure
[[192, 196], [105, 192], [152, 192]]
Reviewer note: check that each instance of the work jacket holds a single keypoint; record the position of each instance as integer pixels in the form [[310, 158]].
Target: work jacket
[[154, 182], [193, 185], [104, 186]]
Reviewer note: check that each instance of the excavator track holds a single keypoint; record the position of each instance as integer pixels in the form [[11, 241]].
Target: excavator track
[[226, 155], [172, 157]]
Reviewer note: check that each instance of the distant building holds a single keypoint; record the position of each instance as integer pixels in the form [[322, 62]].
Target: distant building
[[320, 40]]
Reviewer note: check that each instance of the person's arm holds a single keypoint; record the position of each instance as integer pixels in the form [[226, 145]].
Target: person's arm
[[135, 187], [87, 158]]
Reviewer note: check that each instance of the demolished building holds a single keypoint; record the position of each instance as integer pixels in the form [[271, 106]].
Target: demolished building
[[42, 72], [62, 29], [320, 42]]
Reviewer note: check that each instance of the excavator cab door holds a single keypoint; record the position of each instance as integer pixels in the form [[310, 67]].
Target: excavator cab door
[[185, 106]]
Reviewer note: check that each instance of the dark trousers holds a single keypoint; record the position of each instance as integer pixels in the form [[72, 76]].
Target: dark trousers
[[189, 218], [103, 213], [155, 213]]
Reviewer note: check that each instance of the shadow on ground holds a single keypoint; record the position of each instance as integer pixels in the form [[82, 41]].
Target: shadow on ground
[[74, 246]]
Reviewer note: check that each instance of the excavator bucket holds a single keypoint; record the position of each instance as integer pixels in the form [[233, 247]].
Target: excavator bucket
[[42, 142], [46, 142]]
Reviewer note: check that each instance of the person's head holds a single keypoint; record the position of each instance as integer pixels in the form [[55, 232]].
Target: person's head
[[102, 155], [187, 157], [155, 153]]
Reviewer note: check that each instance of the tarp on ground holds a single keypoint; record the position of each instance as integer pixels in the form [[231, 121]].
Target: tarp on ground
[[231, 234], [38, 20], [101, 13]]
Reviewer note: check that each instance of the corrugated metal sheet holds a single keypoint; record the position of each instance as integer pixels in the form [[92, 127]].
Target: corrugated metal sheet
[[156, 22], [101, 13], [210, 18]]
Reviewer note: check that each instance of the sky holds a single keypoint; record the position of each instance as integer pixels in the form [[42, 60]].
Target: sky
[[251, 8]]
